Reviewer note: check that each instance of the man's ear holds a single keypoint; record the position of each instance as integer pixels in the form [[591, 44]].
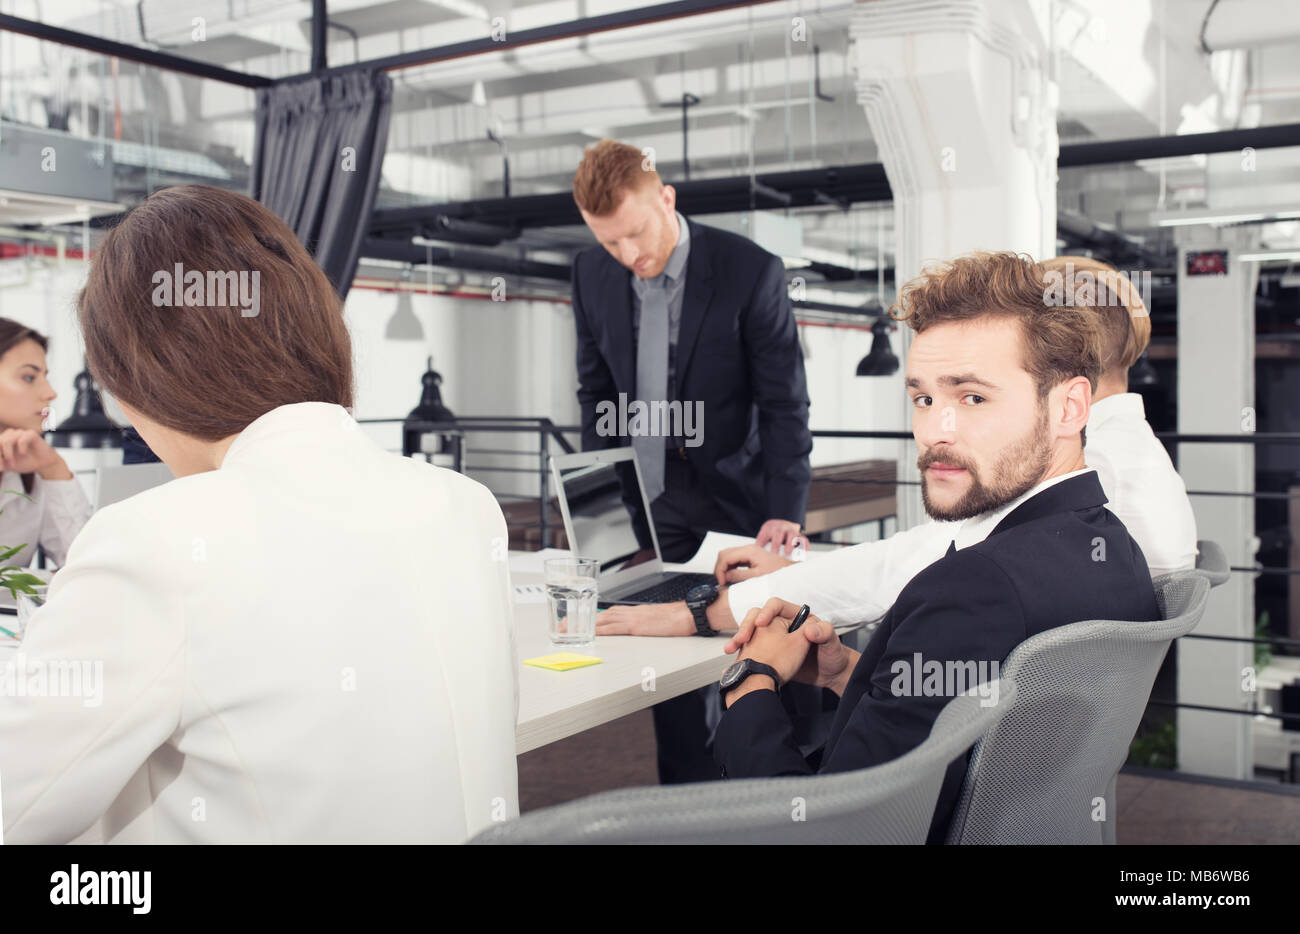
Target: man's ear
[[1076, 405], [669, 195]]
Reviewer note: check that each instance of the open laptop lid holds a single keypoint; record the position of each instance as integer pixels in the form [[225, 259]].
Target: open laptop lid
[[597, 523], [122, 481]]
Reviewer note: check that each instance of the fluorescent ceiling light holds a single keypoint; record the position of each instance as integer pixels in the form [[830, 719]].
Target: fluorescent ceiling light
[[464, 8], [1217, 218], [1289, 255]]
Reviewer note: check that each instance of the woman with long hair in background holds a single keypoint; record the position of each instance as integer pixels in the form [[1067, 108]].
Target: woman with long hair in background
[[41, 502]]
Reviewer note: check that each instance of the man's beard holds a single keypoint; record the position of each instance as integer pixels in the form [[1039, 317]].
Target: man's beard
[[1018, 470]]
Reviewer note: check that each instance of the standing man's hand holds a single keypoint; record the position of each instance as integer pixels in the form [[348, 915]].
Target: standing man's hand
[[782, 534]]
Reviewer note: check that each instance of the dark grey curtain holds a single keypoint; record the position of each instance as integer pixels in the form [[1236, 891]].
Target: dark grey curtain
[[317, 158]]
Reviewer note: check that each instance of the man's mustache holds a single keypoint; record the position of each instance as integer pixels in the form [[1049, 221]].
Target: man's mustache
[[925, 460]]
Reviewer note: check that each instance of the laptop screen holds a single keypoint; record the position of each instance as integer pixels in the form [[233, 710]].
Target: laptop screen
[[602, 528]]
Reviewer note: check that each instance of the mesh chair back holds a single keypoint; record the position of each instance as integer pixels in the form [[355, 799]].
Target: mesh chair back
[[888, 803], [1045, 773]]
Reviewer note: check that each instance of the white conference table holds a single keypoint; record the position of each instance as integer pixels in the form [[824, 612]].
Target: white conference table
[[635, 672]]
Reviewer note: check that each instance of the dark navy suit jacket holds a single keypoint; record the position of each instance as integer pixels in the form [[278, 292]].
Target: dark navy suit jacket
[[737, 353], [1035, 571]]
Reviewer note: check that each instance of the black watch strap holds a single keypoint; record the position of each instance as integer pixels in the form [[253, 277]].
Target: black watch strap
[[701, 617], [751, 667], [698, 601]]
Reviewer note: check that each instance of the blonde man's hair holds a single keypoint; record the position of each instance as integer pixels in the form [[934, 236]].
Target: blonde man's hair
[[1126, 323]]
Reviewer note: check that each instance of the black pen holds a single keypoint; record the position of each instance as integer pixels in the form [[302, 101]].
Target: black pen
[[800, 617]]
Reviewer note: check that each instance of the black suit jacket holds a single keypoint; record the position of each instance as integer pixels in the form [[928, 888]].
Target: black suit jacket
[[1035, 571], [737, 352]]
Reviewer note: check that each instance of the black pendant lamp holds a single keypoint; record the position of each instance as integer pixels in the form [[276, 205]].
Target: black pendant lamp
[[87, 426], [431, 408], [881, 361]]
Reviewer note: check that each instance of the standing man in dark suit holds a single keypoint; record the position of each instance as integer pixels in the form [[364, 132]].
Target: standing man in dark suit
[[694, 320], [1002, 383]]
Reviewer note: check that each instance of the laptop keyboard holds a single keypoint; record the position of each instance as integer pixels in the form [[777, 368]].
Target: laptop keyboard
[[670, 590]]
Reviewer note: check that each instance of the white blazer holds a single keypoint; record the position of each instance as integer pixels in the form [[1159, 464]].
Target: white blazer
[[311, 644], [860, 583], [51, 518]]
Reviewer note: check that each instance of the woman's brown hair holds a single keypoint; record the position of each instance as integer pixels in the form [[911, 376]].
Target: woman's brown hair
[[211, 364], [11, 335]]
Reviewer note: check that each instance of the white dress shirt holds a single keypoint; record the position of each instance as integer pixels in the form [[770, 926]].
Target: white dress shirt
[[312, 643], [860, 583], [51, 519], [1139, 479]]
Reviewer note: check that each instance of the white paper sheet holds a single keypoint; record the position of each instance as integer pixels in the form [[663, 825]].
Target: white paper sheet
[[707, 555]]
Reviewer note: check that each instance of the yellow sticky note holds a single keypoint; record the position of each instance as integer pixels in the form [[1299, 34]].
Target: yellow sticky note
[[562, 661]]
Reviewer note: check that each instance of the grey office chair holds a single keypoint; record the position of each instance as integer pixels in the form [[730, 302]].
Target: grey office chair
[[1040, 774], [1212, 562], [889, 803]]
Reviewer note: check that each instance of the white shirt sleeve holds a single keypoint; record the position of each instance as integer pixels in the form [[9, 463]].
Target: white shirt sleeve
[[857, 584], [94, 689], [65, 511]]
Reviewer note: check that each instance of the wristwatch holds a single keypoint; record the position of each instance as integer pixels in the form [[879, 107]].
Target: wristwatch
[[698, 600], [742, 670]]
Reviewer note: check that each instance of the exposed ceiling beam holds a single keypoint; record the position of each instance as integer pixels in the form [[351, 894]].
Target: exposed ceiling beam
[[131, 53]]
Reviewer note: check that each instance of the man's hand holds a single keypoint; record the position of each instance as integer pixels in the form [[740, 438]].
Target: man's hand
[[782, 534], [23, 450], [766, 629], [650, 619], [746, 561]]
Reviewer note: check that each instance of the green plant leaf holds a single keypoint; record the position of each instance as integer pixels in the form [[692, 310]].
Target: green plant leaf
[[27, 583], [8, 553]]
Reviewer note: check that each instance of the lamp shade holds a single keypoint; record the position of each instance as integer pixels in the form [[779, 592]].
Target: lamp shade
[[430, 408], [87, 426], [881, 361], [404, 325]]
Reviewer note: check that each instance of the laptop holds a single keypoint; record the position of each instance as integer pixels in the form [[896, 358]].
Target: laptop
[[122, 481], [590, 494]]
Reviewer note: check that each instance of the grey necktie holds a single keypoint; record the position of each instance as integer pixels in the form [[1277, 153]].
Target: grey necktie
[[652, 379]]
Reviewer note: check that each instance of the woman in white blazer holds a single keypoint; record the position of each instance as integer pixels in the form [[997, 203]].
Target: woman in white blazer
[[41, 502], [303, 638]]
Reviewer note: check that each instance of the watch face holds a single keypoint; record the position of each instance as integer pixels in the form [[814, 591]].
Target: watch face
[[732, 674], [701, 595]]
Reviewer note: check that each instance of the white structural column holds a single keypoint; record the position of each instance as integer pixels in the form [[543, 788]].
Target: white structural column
[[964, 118], [1216, 395]]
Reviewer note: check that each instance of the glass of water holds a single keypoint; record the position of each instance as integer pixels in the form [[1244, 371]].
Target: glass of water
[[28, 604], [571, 595]]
